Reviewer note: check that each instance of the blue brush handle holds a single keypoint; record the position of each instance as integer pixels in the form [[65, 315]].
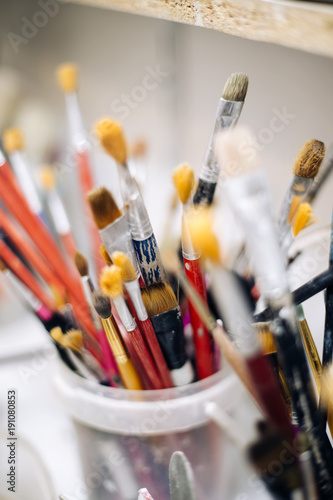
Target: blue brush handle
[[149, 259]]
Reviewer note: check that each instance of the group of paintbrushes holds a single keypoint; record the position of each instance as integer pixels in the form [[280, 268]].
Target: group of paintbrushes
[[129, 330]]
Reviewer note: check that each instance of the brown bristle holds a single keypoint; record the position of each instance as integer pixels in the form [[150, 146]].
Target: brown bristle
[[309, 159], [128, 272], [158, 298], [102, 304], [104, 253], [235, 88], [81, 264], [3, 266], [103, 207]]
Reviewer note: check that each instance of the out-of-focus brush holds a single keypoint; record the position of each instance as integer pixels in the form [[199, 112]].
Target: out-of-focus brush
[[181, 478]]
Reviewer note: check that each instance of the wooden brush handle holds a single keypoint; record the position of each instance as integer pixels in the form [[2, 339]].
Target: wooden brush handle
[[129, 375], [69, 245]]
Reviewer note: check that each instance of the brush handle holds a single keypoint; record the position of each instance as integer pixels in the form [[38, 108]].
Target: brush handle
[[204, 194], [201, 335], [129, 375], [69, 244], [109, 363], [319, 182], [150, 337], [149, 259]]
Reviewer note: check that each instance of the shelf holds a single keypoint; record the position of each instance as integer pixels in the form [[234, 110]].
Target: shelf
[[301, 25]]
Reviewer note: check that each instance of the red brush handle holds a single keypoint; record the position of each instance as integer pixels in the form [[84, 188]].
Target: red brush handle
[[269, 393], [150, 337], [201, 336], [69, 244]]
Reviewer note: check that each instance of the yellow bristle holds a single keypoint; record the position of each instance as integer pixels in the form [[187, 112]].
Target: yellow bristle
[[127, 268], [104, 253], [67, 76], [111, 136], [303, 218], [56, 334], [265, 338], [12, 140], [293, 208], [73, 340], [202, 236], [111, 282], [183, 179], [47, 178]]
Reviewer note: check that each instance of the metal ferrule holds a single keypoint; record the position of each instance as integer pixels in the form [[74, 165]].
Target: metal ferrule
[[116, 237], [24, 177], [248, 195], [22, 290], [227, 115], [124, 313], [58, 213], [76, 128], [114, 340], [2, 158], [187, 247], [296, 193], [134, 292], [86, 285]]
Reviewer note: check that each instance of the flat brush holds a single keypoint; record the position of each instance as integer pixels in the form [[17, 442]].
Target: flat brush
[[306, 168], [183, 179], [127, 372], [164, 313], [67, 76], [111, 285], [88, 288], [181, 478], [227, 114], [57, 210], [247, 193], [132, 286], [112, 139]]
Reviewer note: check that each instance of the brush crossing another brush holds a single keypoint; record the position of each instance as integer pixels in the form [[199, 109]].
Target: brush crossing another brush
[[104, 253], [128, 272], [309, 159], [111, 136], [103, 207], [235, 88]]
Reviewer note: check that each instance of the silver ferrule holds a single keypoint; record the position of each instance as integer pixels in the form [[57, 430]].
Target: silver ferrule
[[295, 195], [2, 158], [25, 179], [227, 115], [188, 250], [22, 290], [136, 212], [134, 292], [116, 237], [77, 131], [248, 195], [86, 285], [58, 213], [124, 313]]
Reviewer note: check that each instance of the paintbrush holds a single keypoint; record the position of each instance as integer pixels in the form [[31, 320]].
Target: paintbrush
[[320, 179], [144, 494], [138, 157], [82, 266], [164, 313], [227, 114], [127, 371], [67, 76], [13, 144], [303, 219], [111, 285], [246, 189], [112, 139], [57, 211], [305, 170], [104, 253], [183, 178], [237, 320], [133, 288], [181, 478]]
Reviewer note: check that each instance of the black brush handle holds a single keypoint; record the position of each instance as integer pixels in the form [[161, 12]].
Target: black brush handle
[[204, 194]]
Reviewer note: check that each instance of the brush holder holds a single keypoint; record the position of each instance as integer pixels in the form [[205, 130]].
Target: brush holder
[[126, 438]]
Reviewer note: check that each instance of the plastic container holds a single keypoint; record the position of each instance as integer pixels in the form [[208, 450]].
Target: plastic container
[[126, 438]]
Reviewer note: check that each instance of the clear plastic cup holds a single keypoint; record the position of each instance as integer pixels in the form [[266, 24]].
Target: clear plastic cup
[[126, 438]]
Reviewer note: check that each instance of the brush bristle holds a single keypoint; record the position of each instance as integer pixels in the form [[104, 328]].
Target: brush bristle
[[158, 298], [102, 304], [236, 152], [111, 282], [122, 261], [56, 334], [47, 178], [73, 340], [139, 149], [104, 253], [12, 140], [202, 236], [265, 338], [81, 264], [235, 88], [3, 266], [309, 159], [67, 76], [303, 218], [111, 136], [103, 207], [183, 179]]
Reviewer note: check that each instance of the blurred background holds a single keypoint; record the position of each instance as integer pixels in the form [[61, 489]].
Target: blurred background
[[173, 110]]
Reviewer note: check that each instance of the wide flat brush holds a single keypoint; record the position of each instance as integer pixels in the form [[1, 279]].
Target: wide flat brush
[[183, 179], [127, 371], [247, 193], [67, 76], [227, 114], [112, 139], [111, 285], [132, 286]]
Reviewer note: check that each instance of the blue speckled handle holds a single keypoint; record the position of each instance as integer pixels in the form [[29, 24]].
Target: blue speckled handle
[[149, 259]]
